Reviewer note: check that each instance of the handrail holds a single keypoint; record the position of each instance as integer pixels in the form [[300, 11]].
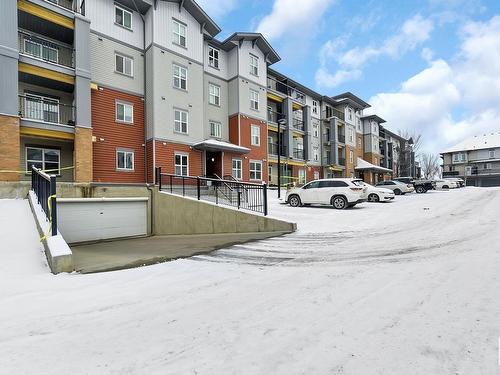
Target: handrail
[[44, 187]]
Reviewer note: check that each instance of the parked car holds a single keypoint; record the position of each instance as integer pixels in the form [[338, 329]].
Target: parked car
[[338, 192], [445, 184], [421, 186], [399, 188], [377, 194], [460, 183]]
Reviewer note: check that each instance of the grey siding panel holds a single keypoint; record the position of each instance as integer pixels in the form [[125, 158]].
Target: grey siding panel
[[150, 94], [8, 57], [102, 60], [214, 113]]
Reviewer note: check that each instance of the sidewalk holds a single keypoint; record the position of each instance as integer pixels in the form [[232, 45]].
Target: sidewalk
[[116, 255]]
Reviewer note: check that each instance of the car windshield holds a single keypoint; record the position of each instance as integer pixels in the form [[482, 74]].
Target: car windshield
[[358, 182]]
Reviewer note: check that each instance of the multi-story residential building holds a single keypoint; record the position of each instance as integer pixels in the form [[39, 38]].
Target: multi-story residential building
[[299, 109], [476, 160]]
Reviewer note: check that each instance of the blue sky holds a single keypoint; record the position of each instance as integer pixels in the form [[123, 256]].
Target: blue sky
[[429, 66]]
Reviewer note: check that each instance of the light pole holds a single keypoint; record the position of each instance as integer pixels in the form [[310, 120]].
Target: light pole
[[281, 121], [410, 143]]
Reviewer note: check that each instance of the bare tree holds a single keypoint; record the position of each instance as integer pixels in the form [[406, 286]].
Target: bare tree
[[430, 165], [416, 137]]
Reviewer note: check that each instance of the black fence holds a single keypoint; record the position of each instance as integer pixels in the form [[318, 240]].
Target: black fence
[[242, 195], [44, 187]]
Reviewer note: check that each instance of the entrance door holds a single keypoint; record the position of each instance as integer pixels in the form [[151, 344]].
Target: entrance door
[[213, 164]]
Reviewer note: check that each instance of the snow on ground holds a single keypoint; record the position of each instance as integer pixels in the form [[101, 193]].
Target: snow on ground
[[408, 287]]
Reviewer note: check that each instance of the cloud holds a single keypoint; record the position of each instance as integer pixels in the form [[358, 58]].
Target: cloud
[[292, 17], [218, 8], [411, 34], [429, 101]]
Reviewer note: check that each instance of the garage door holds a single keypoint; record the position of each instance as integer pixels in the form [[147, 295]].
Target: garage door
[[91, 219], [487, 182]]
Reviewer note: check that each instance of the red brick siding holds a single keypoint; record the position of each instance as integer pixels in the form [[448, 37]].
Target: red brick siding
[[165, 152], [233, 130], [149, 161], [310, 173], [116, 135], [256, 152]]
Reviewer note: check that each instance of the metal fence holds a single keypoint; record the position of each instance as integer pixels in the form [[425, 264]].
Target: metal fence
[[34, 107], [44, 49], [242, 195], [44, 187]]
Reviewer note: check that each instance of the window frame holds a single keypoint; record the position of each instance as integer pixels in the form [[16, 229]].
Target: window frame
[[252, 100], [491, 154], [210, 94], [182, 155], [239, 161], [218, 126], [179, 76], [253, 58], [255, 171], [42, 161], [120, 102], [124, 57], [215, 60], [123, 10], [180, 121], [257, 128], [315, 107], [125, 152], [178, 34]]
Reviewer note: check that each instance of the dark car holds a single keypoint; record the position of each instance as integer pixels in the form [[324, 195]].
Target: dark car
[[421, 186]]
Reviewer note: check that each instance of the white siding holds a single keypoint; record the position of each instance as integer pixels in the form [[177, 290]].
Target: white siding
[[223, 63], [244, 99], [232, 63], [216, 113], [244, 63]]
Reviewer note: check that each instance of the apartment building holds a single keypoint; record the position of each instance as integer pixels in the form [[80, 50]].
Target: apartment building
[[293, 114], [476, 160]]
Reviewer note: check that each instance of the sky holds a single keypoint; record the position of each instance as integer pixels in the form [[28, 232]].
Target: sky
[[431, 67]]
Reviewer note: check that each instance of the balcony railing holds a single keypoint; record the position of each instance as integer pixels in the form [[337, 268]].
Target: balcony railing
[[341, 161], [67, 4], [298, 124], [38, 108], [283, 88], [341, 138], [273, 116], [43, 49], [298, 153], [333, 112], [327, 160], [272, 149], [476, 172]]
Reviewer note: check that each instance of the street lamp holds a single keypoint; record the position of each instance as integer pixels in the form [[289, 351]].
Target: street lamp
[[410, 143], [281, 121]]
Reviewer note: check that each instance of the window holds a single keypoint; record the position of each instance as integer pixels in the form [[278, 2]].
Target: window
[[315, 154], [316, 175], [487, 165], [179, 33], [45, 51], [180, 121], [330, 184], [351, 156], [124, 112], [302, 176], [181, 164], [359, 142], [237, 169], [254, 65], [123, 17], [492, 154], [315, 131], [215, 129], [349, 113], [43, 158], [351, 135], [315, 107], [213, 94], [311, 185], [254, 100], [255, 135], [124, 65], [180, 77], [269, 173], [125, 160], [213, 57], [255, 170]]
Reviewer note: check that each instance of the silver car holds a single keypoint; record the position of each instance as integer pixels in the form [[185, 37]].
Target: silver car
[[399, 188]]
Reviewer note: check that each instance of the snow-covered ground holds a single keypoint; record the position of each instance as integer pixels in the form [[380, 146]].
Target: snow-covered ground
[[409, 287]]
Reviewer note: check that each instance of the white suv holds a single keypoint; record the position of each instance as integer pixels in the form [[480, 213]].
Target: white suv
[[338, 192]]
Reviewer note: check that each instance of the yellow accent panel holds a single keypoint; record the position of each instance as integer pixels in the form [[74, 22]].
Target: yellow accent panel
[[274, 97], [272, 127], [298, 135], [46, 133], [296, 106], [272, 159], [93, 86], [46, 73], [45, 14]]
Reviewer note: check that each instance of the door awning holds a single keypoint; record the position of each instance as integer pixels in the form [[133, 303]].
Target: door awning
[[363, 165], [216, 145]]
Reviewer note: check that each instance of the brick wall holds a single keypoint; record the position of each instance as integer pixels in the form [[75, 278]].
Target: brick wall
[[165, 152], [256, 152], [9, 147], [111, 135]]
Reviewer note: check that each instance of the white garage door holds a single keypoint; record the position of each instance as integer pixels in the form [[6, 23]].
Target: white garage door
[[91, 219]]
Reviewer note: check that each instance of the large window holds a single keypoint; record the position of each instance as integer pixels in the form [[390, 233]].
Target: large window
[[315, 107], [315, 131], [43, 158], [182, 164], [124, 112], [255, 170], [125, 160], [124, 65], [215, 129], [180, 77], [179, 33], [315, 154], [254, 65], [213, 94], [492, 154], [213, 57], [255, 135], [123, 17], [351, 156], [254, 100], [180, 121], [236, 172]]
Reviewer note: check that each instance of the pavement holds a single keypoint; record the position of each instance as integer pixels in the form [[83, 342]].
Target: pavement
[[137, 252]]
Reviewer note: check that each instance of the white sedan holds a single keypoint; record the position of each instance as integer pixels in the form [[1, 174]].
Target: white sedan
[[378, 194], [445, 184]]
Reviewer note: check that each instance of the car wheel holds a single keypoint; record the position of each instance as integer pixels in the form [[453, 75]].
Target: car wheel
[[420, 190], [294, 201], [373, 198], [446, 187], [397, 192], [339, 202]]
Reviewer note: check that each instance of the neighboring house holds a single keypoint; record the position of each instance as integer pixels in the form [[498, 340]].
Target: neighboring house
[[476, 160]]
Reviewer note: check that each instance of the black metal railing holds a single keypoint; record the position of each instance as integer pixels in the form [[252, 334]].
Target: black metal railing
[[333, 112], [67, 4], [273, 116], [44, 49], [482, 171], [44, 187], [342, 161], [298, 153], [341, 138], [33, 107], [284, 88], [242, 195], [327, 160], [272, 149], [450, 173], [298, 124]]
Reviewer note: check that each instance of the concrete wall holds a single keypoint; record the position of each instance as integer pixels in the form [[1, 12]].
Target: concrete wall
[[177, 215]]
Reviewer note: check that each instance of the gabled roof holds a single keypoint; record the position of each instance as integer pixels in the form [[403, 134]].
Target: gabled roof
[[256, 38], [478, 142], [351, 99], [198, 13], [378, 119]]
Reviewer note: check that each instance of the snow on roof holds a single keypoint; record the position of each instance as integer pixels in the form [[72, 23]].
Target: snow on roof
[[363, 164], [215, 144], [478, 142]]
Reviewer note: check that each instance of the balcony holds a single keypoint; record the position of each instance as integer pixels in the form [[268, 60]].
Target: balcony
[[272, 149], [341, 138], [342, 161], [41, 109], [327, 160], [66, 4], [298, 124], [273, 116], [283, 88], [484, 172], [46, 50], [333, 112], [298, 153]]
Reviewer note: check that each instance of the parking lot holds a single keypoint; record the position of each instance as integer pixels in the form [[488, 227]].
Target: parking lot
[[409, 286]]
